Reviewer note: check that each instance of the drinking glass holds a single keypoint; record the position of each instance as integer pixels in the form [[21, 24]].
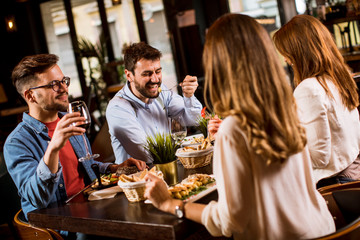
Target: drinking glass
[[178, 129], [80, 106]]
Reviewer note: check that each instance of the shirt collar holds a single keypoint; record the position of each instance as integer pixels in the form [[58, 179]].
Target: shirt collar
[[130, 96], [36, 124]]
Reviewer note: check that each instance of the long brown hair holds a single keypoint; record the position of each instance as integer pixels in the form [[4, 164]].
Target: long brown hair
[[244, 79], [311, 49]]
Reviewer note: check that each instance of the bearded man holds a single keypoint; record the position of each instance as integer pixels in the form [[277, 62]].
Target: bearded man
[[141, 109]]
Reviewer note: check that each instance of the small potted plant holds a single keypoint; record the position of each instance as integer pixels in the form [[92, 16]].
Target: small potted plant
[[162, 149]]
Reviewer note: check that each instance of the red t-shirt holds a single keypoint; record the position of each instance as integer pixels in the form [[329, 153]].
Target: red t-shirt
[[73, 176]]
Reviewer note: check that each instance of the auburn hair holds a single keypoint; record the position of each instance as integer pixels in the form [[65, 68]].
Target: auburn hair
[[311, 49]]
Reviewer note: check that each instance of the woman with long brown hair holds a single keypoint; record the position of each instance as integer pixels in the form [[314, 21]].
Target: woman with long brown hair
[[261, 164], [326, 96]]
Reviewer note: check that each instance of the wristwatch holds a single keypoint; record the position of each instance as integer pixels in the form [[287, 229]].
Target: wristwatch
[[179, 211]]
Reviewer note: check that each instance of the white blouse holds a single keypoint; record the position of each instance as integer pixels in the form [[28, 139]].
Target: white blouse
[[333, 132], [263, 202]]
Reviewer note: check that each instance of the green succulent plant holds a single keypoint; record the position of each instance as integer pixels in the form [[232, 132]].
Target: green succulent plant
[[162, 148], [202, 125]]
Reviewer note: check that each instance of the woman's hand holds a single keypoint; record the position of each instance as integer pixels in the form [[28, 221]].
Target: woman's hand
[[213, 126], [156, 191]]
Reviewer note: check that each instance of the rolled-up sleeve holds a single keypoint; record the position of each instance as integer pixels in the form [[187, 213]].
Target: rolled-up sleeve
[[35, 182], [45, 174]]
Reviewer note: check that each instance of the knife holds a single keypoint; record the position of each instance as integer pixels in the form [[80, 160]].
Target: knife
[[81, 191]]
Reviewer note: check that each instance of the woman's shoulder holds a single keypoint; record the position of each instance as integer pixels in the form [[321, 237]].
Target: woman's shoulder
[[309, 87], [231, 127], [312, 83]]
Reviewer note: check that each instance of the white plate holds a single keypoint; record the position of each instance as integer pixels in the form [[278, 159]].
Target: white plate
[[210, 188], [187, 140]]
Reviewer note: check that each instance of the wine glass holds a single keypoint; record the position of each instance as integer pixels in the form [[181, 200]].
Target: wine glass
[[178, 129], [80, 106]]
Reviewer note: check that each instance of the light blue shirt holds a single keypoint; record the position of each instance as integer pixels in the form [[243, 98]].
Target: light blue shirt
[[130, 120]]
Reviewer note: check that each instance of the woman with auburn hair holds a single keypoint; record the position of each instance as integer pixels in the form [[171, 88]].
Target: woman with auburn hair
[[261, 164], [326, 96]]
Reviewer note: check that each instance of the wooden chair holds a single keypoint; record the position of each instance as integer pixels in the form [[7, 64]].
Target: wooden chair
[[345, 208], [9, 200], [27, 232], [350, 232], [339, 186]]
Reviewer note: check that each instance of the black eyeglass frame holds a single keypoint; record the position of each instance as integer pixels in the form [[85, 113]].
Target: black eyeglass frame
[[54, 84]]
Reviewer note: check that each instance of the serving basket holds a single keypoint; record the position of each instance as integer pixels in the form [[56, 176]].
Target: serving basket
[[134, 191], [196, 158]]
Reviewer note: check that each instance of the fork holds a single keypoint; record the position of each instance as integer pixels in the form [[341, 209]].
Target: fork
[[170, 89]]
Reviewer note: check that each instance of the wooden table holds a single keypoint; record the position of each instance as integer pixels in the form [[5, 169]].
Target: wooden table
[[117, 217]]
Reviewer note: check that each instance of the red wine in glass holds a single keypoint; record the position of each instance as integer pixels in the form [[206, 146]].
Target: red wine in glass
[[80, 106], [85, 125]]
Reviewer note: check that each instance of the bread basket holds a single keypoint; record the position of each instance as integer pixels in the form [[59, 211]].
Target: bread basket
[[195, 159], [134, 191]]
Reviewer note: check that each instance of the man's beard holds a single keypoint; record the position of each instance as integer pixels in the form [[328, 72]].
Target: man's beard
[[60, 107], [144, 91], [57, 107]]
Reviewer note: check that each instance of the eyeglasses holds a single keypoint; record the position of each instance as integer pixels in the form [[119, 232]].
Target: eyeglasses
[[55, 84]]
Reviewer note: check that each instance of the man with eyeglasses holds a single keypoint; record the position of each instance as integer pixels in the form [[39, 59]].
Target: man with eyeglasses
[[42, 152]]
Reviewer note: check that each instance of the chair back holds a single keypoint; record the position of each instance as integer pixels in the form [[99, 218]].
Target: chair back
[[350, 232], [10, 199], [102, 145], [334, 210], [345, 209], [348, 201], [339, 186], [27, 232]]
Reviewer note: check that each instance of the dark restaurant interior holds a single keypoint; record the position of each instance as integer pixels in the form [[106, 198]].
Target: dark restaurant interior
[[89, 35]]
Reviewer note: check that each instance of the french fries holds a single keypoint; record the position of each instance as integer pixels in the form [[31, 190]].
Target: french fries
[[143, 173], [137, 177], [205, 144], [126, 178]]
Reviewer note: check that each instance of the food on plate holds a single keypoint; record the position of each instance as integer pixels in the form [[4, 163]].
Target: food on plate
[[121, 173], [191, 185], [107, 179], [194, 140]]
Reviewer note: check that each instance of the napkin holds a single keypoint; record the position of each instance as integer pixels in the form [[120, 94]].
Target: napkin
[[105, 193]]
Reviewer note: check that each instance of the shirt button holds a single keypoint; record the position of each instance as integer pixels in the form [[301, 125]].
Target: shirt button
[[61, 185]]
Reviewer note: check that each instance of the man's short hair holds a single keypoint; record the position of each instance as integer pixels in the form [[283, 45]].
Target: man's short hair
[[137, 51], [26, 71]]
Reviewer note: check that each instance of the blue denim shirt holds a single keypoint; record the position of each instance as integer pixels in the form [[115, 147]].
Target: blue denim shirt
[[24, 150]]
